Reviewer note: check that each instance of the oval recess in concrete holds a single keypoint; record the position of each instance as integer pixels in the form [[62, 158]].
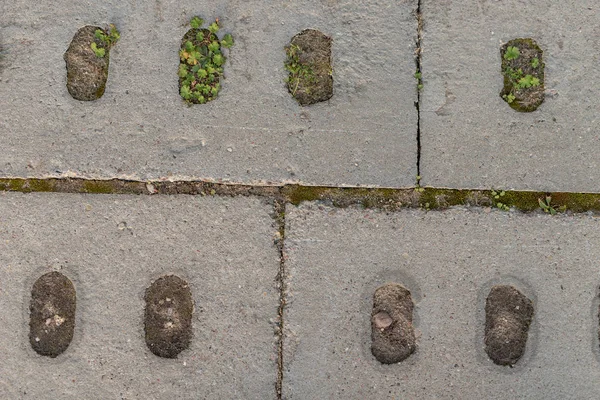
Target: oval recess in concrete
[[87, 72], [202, 62], [52, 314], [523, 71], [168, 316], [508, 315], [392, 330], [308, 63]]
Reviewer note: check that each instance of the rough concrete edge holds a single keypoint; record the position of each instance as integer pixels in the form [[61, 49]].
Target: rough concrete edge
[[388, 199]]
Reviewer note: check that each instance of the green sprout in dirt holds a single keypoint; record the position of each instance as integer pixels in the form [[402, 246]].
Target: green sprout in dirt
[[201, 62], [104, 39], [535, 62], [549, 208], [527, 81], [419, 77], [298, 71], [99, 51], [497, 195], [512, 53]]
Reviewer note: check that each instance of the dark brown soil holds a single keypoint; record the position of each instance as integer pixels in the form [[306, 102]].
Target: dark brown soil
[[392, 331], [52, 314], [508, 314], [309, 63], [526, 99], [168, 316], [86, 73]]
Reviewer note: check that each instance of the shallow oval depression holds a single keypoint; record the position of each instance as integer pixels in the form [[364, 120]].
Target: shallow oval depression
[[52, 314], [168, 316], [87, 60], [308, 63], [523, 72]]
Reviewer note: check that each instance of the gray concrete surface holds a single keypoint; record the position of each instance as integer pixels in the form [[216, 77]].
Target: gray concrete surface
[[470, 137], [255, 132], [111, 247], [449, 260]]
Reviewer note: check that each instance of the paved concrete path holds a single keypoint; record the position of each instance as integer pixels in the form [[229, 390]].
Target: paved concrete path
[[470, 137], [112, 247], [336, 258], [254, 133], [322, 279]]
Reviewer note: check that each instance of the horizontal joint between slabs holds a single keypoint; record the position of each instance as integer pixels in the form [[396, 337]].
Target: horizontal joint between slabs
[[388, 199]]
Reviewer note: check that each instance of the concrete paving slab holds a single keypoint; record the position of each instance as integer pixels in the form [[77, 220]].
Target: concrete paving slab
[[449, 260], [470, 137], [255, 132], [111, 248]]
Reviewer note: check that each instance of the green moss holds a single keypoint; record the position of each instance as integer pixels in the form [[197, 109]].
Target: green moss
[[40, 185], [577, 202], [98, 187], [15, 184], [296, 194], [26, 185], [433, 198], [523, 201], [375, 198]]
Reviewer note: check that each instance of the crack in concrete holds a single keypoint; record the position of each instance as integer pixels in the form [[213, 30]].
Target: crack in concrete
[[418, 51]]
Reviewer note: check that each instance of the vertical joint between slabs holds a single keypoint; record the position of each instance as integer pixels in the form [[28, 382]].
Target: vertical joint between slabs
[[279, 210]]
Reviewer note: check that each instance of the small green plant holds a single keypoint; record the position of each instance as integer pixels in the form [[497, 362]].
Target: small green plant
[[497, 195], [527, 81], [227, 41], [512, 53], [419, 77], [104, 39], [196, 22], [513, 74], [418, 187], [201, 62], [298, 71], [100, 52], [549, 208], [535, 62], [509, 98]]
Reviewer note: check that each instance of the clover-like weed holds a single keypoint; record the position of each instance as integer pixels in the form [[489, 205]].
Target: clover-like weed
[[535, 62], [497, 195], [99, 51], [104, 40], [527, 81], [201, 62], [509, 98], [512, 53]]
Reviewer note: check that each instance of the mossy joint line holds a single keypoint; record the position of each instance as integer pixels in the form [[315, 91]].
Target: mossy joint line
[[388, 199]]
